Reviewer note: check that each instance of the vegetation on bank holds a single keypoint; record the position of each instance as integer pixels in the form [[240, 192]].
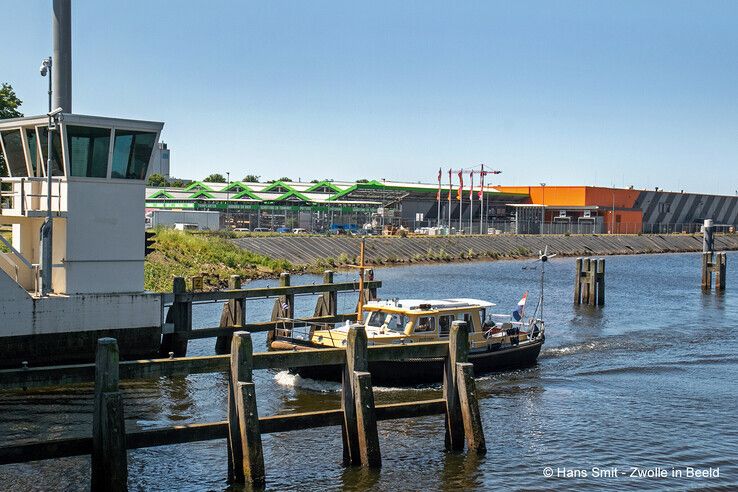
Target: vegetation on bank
[[186, 254]]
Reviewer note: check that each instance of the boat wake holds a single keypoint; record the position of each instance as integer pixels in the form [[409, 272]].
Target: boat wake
[[287, 379]]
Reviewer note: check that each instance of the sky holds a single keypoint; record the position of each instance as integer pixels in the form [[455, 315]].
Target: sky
[[562, 92]]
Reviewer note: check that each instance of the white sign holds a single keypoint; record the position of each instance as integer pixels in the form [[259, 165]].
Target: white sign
[[419, 217]]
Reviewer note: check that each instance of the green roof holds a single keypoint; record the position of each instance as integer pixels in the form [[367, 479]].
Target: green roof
[[324, 183], [198, 185]]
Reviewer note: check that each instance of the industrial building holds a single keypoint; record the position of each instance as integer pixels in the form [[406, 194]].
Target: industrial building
[[347, 206]]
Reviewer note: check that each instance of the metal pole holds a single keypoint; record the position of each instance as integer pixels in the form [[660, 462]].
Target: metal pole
[[450, 188], [61, 31], [461, 200], [47, 227], [543, 206], [481, 203]]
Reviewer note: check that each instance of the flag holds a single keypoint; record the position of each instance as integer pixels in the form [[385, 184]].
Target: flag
[[461, 185], [520, 310], [450, 186], [438, 195], [471, 185], [481, 182]]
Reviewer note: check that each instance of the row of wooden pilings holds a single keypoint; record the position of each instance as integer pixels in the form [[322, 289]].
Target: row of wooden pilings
[[463, 422]]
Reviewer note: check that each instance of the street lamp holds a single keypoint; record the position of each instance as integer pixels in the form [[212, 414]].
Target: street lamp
[[543, 205], [228, 195], [47, 227]]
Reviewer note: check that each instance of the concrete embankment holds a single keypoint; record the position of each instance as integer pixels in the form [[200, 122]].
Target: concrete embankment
[[335, 251]]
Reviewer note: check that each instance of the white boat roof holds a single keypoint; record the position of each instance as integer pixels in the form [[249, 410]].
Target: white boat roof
[[434, 303]]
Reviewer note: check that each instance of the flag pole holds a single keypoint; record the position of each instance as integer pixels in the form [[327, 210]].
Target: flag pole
[[450, 190]]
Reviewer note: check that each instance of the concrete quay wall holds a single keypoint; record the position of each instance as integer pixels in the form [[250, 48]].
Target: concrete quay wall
[[311, 250]]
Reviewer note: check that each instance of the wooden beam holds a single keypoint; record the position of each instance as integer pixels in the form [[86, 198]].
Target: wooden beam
[[267, 326], [419, 350], [180, 434], [264, 292]]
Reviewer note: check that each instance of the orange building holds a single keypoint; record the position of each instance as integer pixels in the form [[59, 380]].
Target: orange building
[[611, 210]]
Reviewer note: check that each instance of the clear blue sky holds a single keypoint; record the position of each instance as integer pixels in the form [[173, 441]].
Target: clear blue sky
[[566, 92]]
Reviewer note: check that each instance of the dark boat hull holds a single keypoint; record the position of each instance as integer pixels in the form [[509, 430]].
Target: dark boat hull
[[424, 371]]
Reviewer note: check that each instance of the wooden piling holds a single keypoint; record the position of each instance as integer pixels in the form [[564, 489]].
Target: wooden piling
[[366, 420], [234, 314], [458, 351], [706, 273], [578, 281], [180, 314], [327, 304], [246, 457], [720, 272], [109, 459], [473, 430], [601, 282], [357, 359]]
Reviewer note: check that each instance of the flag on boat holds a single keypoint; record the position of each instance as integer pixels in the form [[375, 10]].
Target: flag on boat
[[520, 310]]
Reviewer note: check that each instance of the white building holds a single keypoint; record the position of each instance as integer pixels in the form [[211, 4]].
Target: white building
[[160, 161], [98, 189]]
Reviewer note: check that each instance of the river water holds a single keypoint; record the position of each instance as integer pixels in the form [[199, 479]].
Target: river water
[[646, 383]]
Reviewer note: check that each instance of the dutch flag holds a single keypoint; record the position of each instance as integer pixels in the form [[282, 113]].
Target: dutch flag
[[520, 310]]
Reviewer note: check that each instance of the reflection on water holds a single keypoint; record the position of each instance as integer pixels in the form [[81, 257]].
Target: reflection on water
[[646, 381]]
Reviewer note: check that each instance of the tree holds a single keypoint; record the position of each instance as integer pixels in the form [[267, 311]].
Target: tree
[[251, 178], [9, 104], [285, 180], [157, 180], [362, 180], [177, 183], [215, 178]]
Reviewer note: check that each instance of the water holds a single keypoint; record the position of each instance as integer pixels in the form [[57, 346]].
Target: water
[[647, 381]]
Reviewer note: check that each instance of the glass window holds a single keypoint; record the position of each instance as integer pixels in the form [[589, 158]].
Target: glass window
[[57, 167], [14, 156], [425, 324], [131, 154], [444, 323], [88, 151], [389, 321], [32, 149]]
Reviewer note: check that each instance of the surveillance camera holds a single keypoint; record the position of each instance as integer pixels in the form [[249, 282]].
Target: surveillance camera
[[54, 112], [43, 70]]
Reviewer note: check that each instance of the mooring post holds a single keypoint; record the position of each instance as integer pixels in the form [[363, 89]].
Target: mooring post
[[328, 300], [708, 240], [244, 436], [593, 281], [470, 408], [366, 420], [720, 270], [706, 270], [578, 281], [585, 287], [372, 290], [356, 360], [601, 282], [458, 351], [109, 459], [234, 314], [181, 317]]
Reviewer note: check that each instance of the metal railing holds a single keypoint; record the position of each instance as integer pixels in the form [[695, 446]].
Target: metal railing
[[17, 198]]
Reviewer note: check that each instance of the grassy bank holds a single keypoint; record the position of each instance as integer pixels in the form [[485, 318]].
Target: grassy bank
[[7, 235], [185, 254]]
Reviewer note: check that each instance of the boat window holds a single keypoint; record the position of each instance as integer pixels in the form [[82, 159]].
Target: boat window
[[469, 320], [425, 324], [444, 324], [14, 157], [131, 154], [88, 151], [389, 321]]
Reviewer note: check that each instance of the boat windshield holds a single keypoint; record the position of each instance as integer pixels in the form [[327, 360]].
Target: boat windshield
[[389, 321]]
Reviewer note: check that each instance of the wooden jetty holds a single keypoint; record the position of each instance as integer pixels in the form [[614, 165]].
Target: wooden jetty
[[357, 416], [714, 263]]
